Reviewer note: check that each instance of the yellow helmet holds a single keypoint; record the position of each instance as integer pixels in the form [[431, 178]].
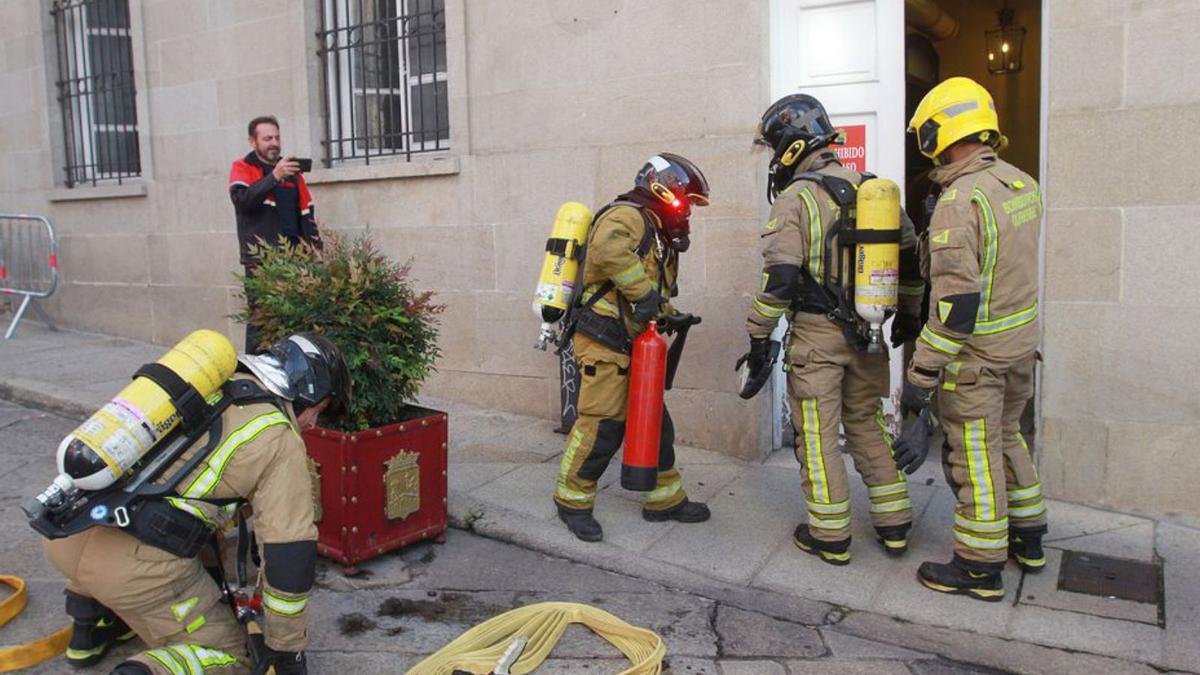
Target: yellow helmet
[[957, 108]]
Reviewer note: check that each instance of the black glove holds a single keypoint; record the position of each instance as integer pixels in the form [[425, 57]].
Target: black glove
[[757, 364], [674, 322], [905, 328], [914, 399], [289, 663], [647, 308], [912, 447]]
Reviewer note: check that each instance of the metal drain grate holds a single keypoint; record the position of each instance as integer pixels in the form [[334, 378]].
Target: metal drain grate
[[1110, 577]]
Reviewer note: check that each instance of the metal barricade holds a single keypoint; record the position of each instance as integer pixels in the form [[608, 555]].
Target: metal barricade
[[28, 263]]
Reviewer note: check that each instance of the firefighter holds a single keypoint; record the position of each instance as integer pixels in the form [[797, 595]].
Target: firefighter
[[629, 275], [118, 585], [978, 347], [832, 379]]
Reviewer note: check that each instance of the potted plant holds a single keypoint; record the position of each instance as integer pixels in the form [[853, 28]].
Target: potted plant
[[379, 472]]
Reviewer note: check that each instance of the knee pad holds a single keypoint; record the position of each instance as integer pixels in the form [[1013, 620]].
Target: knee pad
[[609, 436], [291, 567]]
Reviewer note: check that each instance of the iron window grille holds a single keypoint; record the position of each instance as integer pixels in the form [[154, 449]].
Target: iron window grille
[[384, 69], [96, 90]]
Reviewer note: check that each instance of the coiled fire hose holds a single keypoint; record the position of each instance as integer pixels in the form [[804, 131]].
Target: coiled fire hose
[[23, 656], [518, 641]]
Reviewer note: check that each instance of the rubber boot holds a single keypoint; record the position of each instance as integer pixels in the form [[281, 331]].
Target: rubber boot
[[832, 552], [96, 629], [1026, 550], [958, 577], [683, 512], [581, 523], [894, 540]]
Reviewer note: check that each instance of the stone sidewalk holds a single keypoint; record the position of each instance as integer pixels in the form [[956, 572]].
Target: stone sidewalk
[[502, 474]]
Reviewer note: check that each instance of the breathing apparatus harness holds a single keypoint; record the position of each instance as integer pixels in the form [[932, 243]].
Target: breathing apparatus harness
[[833, 294], [136, 503], [606, 330]]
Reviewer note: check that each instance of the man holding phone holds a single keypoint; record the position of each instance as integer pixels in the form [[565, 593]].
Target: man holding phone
[[271, 200]]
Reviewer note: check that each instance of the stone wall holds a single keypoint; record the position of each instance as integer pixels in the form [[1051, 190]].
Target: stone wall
[[1121, 396], [551, 101]]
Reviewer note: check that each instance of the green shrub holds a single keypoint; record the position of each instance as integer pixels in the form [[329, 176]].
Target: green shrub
[[361, 300]]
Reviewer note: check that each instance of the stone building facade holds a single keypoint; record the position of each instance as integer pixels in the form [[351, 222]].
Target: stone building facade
[[554, 100]]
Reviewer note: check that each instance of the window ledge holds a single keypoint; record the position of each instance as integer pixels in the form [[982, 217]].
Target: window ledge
[[385, 169], [98, 192]]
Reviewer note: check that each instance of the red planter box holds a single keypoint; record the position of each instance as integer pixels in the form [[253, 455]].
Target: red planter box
[[380, 489]]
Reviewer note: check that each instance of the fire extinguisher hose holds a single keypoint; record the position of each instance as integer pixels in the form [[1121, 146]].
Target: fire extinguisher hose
[[23, 656], [491, 646]]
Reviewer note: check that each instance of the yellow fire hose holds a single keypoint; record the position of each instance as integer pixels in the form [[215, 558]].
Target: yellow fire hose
[[32, 653], [498, 644]]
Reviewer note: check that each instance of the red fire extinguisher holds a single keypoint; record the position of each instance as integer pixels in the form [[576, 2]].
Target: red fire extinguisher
[[643, 425]]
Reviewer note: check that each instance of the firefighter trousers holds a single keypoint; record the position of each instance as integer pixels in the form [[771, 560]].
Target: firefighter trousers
[[599, 431], [170, 602], [986, 459], [831, 385]]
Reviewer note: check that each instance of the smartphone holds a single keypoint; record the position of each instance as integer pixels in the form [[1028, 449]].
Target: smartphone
[[305, 164]]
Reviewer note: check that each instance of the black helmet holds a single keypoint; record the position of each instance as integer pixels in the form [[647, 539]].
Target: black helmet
[[672, 185], [795, 126], [315, 370]]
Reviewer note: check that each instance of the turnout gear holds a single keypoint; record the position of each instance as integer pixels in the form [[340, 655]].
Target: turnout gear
[[912, 447], [794, 127], [254, 455], [670, 186], [959, 578], [831, 383], [955, 110], [894, 540], [979, 345], [1026, 550], [628, 258], [581, 523], [755, 366], [96, 628], [832, 552], [914, 399], [683, 512]]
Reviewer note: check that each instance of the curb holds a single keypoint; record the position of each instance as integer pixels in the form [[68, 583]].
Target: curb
[[45, 398], [493, 522]]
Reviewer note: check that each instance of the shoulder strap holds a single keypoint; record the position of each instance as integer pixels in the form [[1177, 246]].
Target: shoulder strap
[[844, 192]]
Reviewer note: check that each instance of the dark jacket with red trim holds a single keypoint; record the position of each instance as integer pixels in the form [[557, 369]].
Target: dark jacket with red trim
[[252, 188]]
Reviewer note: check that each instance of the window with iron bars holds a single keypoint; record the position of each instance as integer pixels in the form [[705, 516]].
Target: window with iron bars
[[96, 91], [384, 67]]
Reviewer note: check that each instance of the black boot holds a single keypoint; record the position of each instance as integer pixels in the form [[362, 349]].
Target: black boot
[[957, 577], [581, 523], [96, 628], [684, 512], [1026, 550], [832, 552], [894, 540]]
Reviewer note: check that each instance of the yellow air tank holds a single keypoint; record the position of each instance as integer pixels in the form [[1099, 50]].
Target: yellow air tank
[[877, 265], [556, 285], [119, 434]]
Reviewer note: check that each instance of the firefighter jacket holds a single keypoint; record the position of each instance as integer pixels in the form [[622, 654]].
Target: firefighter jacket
[[261, 460], [981, 252], [258, 199], [793, 247], [626, 254]]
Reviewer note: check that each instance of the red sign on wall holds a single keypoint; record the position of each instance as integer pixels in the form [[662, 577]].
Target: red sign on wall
[[852, 153]]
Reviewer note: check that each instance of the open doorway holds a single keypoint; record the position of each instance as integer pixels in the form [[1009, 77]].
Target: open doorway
[[945, 39]]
